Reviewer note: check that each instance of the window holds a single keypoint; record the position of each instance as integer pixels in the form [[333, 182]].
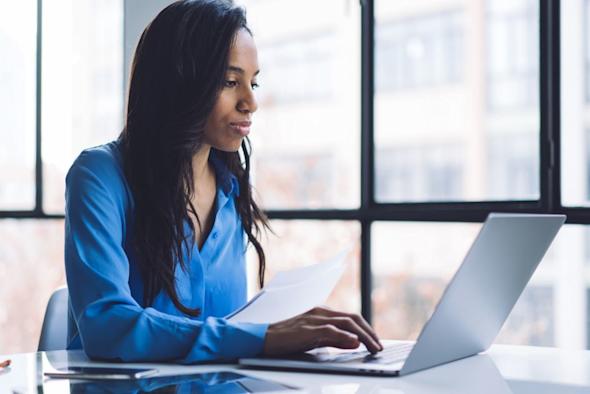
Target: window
[[419, 51], [295, 177], [512, 38], [81, 105], [408, 281], [383, 126], [587, 48], [308, 63], [513, 166], [31, 267], [296, 242], [433, 65], [575, 107], [410, 173], [305, 134], [82, 86], [18, 107]]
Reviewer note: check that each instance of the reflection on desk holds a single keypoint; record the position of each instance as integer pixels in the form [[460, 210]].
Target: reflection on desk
[[503, 369], [215, 382], [28, 377]]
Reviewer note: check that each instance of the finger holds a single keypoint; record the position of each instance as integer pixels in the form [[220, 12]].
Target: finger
[[349, 325], [330, 335], [360, 321], [365, 337], [320, 310], [367, 327]]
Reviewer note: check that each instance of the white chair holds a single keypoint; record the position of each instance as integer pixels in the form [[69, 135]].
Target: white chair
[[54, 333]]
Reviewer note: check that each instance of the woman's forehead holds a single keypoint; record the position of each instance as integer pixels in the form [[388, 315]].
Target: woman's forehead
[[243, 53]]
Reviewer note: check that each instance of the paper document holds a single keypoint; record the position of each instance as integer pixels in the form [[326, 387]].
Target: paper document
[[291, 293]]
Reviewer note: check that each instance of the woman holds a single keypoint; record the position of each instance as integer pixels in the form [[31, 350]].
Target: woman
[[155, 221]]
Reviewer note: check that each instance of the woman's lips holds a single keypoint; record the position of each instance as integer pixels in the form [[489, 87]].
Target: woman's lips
[[242, 128]]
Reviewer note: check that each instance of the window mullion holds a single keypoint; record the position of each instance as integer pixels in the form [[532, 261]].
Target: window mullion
[[367, 149], [549, 80], [38, 157]]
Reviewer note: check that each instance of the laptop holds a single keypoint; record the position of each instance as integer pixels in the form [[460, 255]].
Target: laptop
[[471, 310]]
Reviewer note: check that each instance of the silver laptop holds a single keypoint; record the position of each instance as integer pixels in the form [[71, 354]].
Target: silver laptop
[[471, 311]]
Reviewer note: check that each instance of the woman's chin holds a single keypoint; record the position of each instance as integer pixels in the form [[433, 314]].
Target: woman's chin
[[230, 148]]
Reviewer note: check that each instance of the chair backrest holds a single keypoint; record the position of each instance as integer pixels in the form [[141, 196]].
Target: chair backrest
[[54, 332]]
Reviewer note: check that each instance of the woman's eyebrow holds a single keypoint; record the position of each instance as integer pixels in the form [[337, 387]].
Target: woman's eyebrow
[[239, 70]]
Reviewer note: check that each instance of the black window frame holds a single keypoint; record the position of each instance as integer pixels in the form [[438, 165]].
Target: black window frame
[[371, 211]]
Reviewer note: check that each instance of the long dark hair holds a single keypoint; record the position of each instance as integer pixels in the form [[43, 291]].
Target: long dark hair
[[177, 73]]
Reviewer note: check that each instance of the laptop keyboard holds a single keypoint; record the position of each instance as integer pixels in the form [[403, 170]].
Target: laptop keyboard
[[391, 354]]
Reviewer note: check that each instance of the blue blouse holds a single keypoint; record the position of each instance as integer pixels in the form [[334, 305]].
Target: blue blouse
[[109, 318]]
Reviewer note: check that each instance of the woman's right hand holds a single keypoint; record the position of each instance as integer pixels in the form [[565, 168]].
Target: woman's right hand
[[317, 328]]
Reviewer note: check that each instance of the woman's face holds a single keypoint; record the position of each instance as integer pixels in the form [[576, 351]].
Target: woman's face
[[230, 120]]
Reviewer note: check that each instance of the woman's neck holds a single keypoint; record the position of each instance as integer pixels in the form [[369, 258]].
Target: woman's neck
[[201, 168]]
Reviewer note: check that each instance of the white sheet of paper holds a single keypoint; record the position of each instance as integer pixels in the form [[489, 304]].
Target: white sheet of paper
[[292, 292]]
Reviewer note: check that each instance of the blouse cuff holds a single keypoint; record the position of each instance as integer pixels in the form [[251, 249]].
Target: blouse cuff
[[222, 340]]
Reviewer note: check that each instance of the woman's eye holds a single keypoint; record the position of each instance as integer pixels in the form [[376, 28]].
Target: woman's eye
[[255, 86], [231, 84]]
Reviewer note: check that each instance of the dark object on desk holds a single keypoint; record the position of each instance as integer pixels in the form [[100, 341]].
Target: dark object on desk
[[102, 373], [5, 366], [217, 382]]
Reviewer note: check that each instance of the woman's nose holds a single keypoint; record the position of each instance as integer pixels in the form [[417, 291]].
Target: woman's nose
[[248, 102]]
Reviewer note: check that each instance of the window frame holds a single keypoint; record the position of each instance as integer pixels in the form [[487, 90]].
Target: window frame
[[37, 211], [370, 210]]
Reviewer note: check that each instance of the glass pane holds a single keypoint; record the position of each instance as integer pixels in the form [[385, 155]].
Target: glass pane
[[306, 139], [18, 49], [575, 102], [296, 243], [28, 276], [82, 85], [409, 280], [456, 100]]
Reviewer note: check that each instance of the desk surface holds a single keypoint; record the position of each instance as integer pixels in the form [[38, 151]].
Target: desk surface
[[503, 369]]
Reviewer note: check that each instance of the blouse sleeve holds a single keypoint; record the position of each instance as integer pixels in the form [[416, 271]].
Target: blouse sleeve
[[111, 324]]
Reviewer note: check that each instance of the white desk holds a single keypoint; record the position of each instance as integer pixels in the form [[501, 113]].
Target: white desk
[[503, 369]]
